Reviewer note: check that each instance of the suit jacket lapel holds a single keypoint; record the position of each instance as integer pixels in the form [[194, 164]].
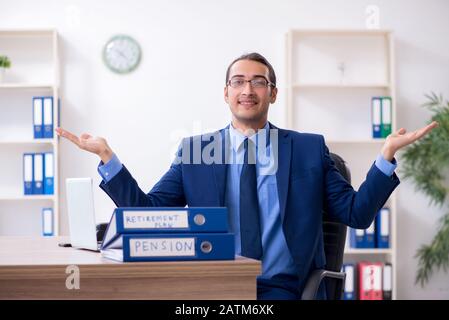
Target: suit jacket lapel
[[220, 170], [283, 172]]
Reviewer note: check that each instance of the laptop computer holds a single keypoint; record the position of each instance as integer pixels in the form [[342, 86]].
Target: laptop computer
[[80, 207]]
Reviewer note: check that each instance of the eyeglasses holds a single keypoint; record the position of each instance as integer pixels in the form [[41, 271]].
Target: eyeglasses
[[258, 82]]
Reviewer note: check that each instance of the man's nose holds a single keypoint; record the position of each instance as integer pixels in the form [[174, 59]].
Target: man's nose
[[247, 88]]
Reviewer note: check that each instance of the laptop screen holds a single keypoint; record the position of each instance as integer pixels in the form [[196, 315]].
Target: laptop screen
[[80, 207]]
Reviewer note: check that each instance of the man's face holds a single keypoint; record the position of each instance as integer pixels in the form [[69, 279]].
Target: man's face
[[248, 103]]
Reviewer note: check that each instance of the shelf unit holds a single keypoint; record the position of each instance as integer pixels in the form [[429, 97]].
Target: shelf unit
[[26, 86], [34, 72], [331, 77]]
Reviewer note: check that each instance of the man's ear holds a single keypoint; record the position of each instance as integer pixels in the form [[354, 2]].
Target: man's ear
[[274, 92], [226, 94]]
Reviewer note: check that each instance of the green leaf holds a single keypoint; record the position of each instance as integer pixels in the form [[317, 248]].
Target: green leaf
[[435, 255]]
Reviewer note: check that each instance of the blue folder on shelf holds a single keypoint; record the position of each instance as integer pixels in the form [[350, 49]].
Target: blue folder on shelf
[[370, 237], [349, 287], [28, 165], [357, 238], [376, 105], [49, 174], [38, 173], [165, 220], [48, 117], [383, 228], [47, 222], [171, 247], [37, 117]]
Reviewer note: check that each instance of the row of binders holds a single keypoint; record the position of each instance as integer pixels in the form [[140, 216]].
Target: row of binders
[[167, 234], [43, 117], [381, 108], [38, 173], [48, 222], [368, 281], [377, 235]]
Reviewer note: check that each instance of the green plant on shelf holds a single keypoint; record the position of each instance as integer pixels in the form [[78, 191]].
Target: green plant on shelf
[[426, 163], [5, 62]]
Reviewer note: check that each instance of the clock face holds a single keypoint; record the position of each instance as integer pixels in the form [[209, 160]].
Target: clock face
[[122, 54]]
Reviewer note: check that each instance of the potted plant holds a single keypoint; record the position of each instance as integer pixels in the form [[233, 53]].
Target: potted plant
[[4, 64], [426, 163]]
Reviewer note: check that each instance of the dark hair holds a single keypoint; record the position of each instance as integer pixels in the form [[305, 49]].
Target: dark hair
[[254, 56]]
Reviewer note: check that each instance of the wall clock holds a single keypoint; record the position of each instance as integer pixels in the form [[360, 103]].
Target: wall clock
[[122, 54]]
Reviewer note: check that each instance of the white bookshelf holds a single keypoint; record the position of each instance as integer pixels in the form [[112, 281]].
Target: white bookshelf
[[26, 86], [339, 86], [367, 251], [321, 99], [34, 72]]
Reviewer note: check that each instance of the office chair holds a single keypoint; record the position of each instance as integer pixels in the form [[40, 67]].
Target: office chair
[[334, 234]]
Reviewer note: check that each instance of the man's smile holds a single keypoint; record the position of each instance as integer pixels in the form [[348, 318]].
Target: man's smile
[[247, 102]]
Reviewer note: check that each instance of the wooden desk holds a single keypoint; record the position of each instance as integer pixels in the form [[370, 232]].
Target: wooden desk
[[35, 268]]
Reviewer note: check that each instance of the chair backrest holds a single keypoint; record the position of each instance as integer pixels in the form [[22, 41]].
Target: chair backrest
[[334, 238]]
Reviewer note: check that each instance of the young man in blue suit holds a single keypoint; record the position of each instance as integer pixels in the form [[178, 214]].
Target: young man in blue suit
[[275, 206]]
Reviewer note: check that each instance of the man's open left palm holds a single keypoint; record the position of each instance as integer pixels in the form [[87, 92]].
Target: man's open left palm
[[402, 138]]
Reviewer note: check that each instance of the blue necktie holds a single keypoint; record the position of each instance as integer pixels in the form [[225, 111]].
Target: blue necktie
[[249, 206]]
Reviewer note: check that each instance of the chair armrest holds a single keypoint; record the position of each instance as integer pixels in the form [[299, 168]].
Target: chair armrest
[[315, 279]]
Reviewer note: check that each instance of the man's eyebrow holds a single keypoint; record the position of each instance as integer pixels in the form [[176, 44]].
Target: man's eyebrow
[[255, 76]]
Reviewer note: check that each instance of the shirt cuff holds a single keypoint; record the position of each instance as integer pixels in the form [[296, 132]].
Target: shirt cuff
[[386, 166], [108, 170]]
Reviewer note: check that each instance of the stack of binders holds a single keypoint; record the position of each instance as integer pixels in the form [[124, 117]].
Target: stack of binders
[[381, 116], [43, 117], [377, 235], [38, 173], [368, 281], [168, 234]]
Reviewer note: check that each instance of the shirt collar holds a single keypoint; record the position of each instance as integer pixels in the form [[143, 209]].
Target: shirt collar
[[237, 138]]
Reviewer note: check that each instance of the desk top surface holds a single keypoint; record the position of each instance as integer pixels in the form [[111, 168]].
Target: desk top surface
[[37, 267], [41, 251]]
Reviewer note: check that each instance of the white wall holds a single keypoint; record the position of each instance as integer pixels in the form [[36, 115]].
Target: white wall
[[178, 88]]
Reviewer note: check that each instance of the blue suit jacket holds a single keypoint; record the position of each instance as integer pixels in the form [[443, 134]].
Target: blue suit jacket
[[307, 182]]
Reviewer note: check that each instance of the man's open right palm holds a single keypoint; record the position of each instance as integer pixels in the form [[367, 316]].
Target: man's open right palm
[[97, 145]]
